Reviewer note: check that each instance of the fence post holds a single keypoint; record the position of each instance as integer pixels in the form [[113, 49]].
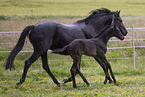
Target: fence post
[[133, 46], [32, 13]]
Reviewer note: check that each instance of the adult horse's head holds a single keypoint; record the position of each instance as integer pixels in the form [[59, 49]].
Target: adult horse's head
[[116, 31], [101, 18], [119, 23]]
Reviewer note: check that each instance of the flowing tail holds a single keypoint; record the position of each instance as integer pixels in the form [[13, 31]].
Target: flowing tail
[[18, 47], [61, 50]]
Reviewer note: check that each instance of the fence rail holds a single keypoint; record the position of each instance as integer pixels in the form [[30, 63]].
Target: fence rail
[[130, 47]]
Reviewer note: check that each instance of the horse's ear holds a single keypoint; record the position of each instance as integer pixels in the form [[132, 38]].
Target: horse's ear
[[119, 12], [112, 20]]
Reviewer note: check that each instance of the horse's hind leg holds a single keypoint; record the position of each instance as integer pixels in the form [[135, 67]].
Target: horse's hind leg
[[69, 79], [28, 63], [76, 64], [47, 69], [82, 76], [79, 72]]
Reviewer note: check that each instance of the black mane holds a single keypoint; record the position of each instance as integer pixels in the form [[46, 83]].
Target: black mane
[[96, 12]]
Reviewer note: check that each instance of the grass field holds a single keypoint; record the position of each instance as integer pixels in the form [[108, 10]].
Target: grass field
[[68, 8], [17, 14], [129, 82]]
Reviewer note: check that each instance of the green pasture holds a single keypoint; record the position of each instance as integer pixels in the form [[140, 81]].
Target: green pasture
[[130, 82], [17, 14], [68, 8]]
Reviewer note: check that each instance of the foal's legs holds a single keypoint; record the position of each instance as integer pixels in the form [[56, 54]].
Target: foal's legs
[[73, 73], [69, 79], [47, 69], [103, 59], [76, 69], [82, 76], [106, 72], [104, 68], [79, 72], [28, 63], [109, 66]]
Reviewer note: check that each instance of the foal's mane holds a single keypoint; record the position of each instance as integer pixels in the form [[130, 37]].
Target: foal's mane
[[95, 13]]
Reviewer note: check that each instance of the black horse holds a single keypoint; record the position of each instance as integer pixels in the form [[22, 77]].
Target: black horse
[[51, 35], [95, 47]]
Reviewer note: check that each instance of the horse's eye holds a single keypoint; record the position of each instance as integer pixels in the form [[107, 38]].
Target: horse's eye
[[120, 20]]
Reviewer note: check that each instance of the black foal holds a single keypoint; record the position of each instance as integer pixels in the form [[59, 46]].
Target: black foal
[[95, 47]]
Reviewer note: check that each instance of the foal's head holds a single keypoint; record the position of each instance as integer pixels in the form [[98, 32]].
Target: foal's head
[[116, 31], [112, 30]]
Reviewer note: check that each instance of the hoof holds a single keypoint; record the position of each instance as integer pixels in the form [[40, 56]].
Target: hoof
[[58, 85], [88, 85], [115, 82], [75, 87], [111, 82], [18, 84], [105, 82], [64, 81]]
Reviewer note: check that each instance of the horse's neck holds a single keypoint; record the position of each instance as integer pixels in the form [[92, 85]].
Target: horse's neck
[[88, 30], [92, 31], [93, 27], [106, 35], [102, 22]]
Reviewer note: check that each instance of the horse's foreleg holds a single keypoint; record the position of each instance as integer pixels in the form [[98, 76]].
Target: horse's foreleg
[[104, 69], [47, 69], [109, 66], [28, 63]]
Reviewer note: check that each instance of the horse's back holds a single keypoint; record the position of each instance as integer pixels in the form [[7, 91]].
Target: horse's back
[[46, 27], [65, 34], [71, 30]]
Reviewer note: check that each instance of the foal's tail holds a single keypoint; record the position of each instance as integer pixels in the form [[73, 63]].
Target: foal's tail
[[18, 47], [61, 50]]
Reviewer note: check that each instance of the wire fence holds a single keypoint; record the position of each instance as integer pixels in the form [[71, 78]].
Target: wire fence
[[9, 39]]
